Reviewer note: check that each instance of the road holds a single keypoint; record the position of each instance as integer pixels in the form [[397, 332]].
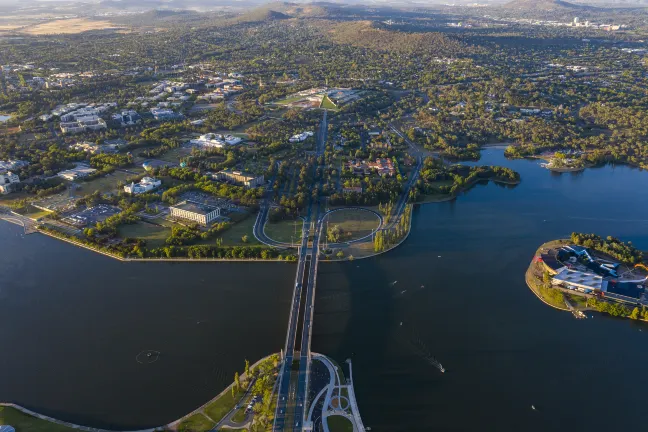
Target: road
[[262, 217], [294, 393], [402, 200]]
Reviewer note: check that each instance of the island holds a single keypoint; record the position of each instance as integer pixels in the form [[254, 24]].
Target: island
[[589, 273]]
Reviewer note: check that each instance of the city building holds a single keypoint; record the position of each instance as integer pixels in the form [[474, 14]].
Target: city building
[[8, 180], [200, 213], [79, 171], [147, 184], [580, 281], [83, 124], [164, 114], [241, 178], [127, 118]]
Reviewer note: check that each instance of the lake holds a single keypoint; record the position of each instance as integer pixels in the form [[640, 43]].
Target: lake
[[72, 322]]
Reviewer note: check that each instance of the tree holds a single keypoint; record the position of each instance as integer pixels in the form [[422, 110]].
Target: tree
[[635, 313], [237, 381], [244, 239], [546, 279], [247, 369]]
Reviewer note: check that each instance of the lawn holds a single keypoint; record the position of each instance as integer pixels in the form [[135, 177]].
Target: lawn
[[357, 222], [196, 423], [243, 224], [221, 406], [174, 155], [283, 231], [105, 184], [26, 423], [33, 213], [328, 104], [338, 423], [239, 417], [154, 235]]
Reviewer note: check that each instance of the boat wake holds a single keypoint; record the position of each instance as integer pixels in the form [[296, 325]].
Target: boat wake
[[416, 345]]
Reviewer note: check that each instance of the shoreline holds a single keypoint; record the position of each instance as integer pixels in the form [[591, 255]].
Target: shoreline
[[199, 260], [171, 426]]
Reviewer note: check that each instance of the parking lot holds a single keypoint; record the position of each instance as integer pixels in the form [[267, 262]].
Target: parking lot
[[91, 216], [203, 198]]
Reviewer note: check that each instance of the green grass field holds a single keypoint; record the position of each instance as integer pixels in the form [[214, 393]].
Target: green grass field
[[26, 423], [242, 225], [283, 231], [155, 236], [338, 423], [105, 184], [175, 155], [196, 423], [328, 104], [33, 213], [221, 406], [357, 222]]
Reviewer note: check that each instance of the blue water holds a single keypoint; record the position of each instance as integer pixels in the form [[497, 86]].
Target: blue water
[[72, 322], [462, 299]]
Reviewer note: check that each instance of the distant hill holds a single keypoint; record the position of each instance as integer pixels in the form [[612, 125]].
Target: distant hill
[[374, 36], [300, 10], [544, 5], [156, 17], [262, 14]]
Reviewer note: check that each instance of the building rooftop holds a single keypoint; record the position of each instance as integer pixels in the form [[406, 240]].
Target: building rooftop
[[578, 278], [195, 207]]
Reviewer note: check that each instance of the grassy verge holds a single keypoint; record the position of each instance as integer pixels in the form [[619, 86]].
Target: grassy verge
[[338, 423], [25, 423], [328, 104], [196, 423], [221, 406], [550, 296], [239, 416]]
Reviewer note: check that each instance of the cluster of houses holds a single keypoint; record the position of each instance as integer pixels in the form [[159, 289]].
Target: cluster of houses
[[300, 137], [382, 167], [212, 140], [80, 117], [93, 148]]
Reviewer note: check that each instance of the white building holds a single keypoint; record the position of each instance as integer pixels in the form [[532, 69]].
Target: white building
[[195, 212], [212, 140], [7, 182], [580, 281], [300, 137], [147, 184]]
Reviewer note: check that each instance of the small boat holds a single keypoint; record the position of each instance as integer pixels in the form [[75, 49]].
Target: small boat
[[533, 407], [442, 369]]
